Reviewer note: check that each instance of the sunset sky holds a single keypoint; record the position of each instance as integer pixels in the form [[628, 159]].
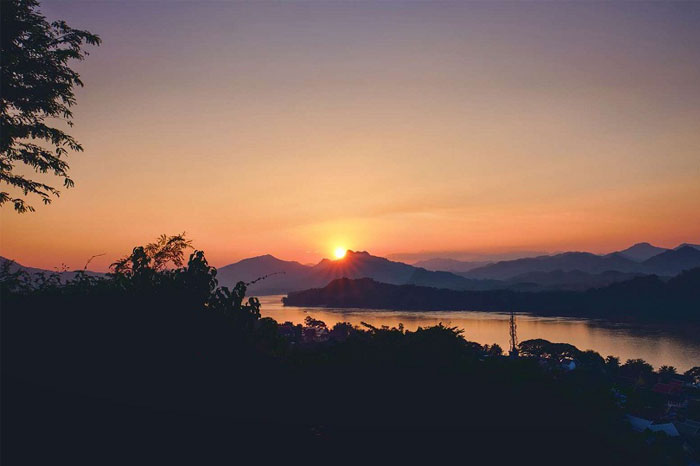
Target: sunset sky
[[292, 128]]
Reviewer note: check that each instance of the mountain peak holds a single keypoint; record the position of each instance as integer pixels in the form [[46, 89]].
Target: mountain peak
[[350, 252], [687, 249], [269, 258], [641, 252], [349, 256], [689, 245]]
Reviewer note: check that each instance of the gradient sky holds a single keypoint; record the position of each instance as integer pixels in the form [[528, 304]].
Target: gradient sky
[[293, 127]]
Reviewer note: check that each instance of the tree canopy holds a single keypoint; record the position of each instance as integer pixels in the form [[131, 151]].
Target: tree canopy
[[154, 256], [36, 93]]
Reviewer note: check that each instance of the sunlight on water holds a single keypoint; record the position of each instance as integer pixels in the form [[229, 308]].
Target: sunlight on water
[[671, 345]]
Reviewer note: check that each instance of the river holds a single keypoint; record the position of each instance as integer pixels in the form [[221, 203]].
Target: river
[[674, 345]]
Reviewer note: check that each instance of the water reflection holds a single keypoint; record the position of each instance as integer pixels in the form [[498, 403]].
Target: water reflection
[[678, 346]]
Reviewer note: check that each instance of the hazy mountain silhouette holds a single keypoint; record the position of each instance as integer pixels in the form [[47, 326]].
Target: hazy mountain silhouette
[[287, 274], [674, 261], [568, 261], [566, 271], [450, 265], [361, 264], [64, 274], [452, 281], [566, 280], [294, 276], [364, 265], [695, 246], [632, 260], [463, 256], [641, 252]]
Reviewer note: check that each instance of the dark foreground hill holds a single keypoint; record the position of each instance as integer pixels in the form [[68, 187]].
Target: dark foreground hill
[[646, 297], [156, 366]]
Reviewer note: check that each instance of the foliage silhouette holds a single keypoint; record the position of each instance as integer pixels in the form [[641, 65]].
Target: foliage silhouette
[[666, 373], [36, 87], [154, 256], [166, 350], [694, 374]]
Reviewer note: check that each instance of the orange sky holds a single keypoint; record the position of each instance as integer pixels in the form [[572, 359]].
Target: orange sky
[[394, 128]]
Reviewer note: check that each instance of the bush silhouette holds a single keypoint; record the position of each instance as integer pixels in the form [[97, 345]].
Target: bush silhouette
[[151, 348]]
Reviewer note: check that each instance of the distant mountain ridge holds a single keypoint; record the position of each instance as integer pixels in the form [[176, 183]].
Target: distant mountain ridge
[[450, 265], [695, 246], [286, 273], [564, 271], [674, 261], [573, 280], [568, 261], [32, 271], [292, 276], [667, 262]]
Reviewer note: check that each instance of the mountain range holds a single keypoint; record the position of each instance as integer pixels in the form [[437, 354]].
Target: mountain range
[[450, 265], [565, 271], [668, 262], [292, 276]]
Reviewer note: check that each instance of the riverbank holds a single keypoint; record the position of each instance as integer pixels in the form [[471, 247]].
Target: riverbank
[[668, 344]]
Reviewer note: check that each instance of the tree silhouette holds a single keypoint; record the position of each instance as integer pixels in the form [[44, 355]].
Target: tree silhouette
[[493, 350], [638, 370], [36, 85], [154, 256], [667, 372], [694, 373]]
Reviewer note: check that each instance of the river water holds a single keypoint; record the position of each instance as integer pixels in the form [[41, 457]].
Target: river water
[[674, 345]]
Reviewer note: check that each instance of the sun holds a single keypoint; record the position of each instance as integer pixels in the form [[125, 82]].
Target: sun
[[339, 252]]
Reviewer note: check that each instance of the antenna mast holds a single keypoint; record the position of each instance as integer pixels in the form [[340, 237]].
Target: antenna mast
[[513, 336]]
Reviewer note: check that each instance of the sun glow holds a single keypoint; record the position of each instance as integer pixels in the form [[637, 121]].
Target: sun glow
[[339, 252]]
